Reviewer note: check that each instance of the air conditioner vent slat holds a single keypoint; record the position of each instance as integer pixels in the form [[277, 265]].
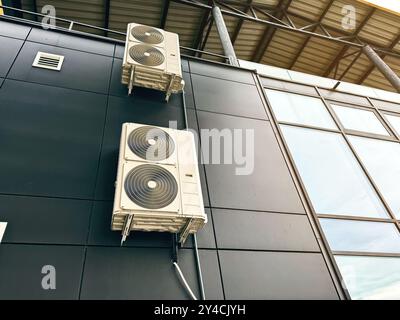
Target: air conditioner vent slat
[[48, 61]]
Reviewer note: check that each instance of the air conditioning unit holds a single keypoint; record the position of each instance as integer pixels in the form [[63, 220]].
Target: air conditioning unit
[[158, 186], [152, 60]]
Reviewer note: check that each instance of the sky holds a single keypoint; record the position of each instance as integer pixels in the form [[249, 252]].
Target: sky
[[392, 5]]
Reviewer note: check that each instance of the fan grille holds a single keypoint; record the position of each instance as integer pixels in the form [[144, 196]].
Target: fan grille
[[147, 34], [151, 186], [151, 143], [146, 55]]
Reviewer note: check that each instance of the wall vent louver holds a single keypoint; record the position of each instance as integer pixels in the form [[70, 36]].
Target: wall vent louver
[[48, 61]]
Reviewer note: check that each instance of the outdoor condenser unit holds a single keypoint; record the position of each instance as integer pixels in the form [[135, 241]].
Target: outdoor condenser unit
[[152, 60], [158, 186]]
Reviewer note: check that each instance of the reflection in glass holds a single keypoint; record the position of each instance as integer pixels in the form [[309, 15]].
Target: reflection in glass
[[359, 120], [394, 121], [382, 160], [295, 108], [370, 278], [364, 236], [334, 180]]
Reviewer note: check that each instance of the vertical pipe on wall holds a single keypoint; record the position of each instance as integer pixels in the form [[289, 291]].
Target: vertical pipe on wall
[[381, 65], [224, 37]]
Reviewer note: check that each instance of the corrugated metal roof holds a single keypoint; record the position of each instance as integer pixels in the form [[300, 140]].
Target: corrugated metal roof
[[285, 49]]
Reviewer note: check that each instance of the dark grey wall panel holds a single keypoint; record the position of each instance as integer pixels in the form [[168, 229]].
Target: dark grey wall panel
[[211, 275], [21, 266], [128, 109], [9, 50], [275, 275], [50, 140], [119, 51], [150, 95], [268, 188], [220, 71], [263, 231], [185, 65], [45, 220], [216, 95], [80, 70], [13, 30], [192, 125], [188, 90], [71, 42], [143, 273]]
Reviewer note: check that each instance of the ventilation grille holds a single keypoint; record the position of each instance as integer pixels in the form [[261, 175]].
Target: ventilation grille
[[48, 61]]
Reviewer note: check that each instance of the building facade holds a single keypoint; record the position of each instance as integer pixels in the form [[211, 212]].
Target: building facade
[[318, 218]]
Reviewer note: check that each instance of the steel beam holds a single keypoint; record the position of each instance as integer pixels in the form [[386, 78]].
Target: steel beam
[[381, 65], [282, 25], [369, 71], [107, 4], [35, 8], [224, 37], [16, 4], [206, 16], [204, 41], [240, 24], [359, 44], [164, 14], [351, 64], [305, 43], [346, 47], [269, 32]]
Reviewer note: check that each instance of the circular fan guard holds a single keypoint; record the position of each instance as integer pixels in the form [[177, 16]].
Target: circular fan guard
[[151, 143], [151, 186], [147, 34], [146, 55]]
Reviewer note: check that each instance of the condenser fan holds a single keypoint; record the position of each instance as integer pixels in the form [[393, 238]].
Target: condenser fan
[[151, 143], [147, 34], [146, 55], [151, 186]]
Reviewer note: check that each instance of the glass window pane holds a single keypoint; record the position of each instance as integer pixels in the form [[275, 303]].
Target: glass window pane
[[370, 278], [295, 108], [360, 120], [364, 236], [394, 121], [333, 178], [382, 160]]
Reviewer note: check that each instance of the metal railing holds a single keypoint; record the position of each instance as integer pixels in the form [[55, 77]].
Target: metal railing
[[72, 24]]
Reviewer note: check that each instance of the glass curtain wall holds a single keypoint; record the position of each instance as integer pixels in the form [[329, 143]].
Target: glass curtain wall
[[348, 158]]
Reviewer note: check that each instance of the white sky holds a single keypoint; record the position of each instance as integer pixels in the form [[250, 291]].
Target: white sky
[[393, 5]]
